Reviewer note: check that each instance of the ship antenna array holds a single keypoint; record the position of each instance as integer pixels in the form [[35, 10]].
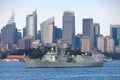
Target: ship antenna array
[[11, 19]]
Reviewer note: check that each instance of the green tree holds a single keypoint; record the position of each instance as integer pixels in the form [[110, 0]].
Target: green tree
[[36, 54]]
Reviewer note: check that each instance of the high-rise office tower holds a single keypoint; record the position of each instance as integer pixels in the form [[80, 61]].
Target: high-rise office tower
[[26, 42], [24, 31], [86, 44], [39, 35], [96, 29], [68, 33], [9, 34], [47, 31], [101, 43], [78, 41], [58, 34], [96, 33], [88, 30], [109, 44], [19, 34], [31, 24], [115, 33]]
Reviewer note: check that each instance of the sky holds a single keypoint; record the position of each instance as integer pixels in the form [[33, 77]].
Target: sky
[[104, 12]]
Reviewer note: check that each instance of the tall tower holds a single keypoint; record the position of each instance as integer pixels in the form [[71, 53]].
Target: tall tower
[[88, 30], [9, 32], [115, 33], [96, 29], [101, 43], [109, 44], [86, 44], [68, 33], [24, 32], [47, 31], [31, 24], [96, 33]]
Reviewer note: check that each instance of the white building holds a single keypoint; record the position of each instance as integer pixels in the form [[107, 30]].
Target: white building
[[100, 44], [109, 44], [47, 31], [31, 24], [112, 45], [86, 44]]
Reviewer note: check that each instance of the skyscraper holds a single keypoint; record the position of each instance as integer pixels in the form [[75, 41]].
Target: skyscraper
[[9, 34], [24, 31], [109, 44], [68, 33], [47, 31], [39, 35], [101, 43], [86, 44], [26, 42], [88, 30], [96, 29], [31, 24], [78, 41], [96, 33], [58, 34], [115, 33]]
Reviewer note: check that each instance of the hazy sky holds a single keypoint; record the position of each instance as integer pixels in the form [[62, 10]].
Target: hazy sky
[[105, 12]]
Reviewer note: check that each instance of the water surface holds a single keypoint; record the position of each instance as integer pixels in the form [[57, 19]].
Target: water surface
[[19, 71]]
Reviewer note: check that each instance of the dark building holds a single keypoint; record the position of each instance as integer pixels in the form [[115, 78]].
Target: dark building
[[96, 29], [24, 32], [19, 34], [88, 30], [115, 33], [39, 35], [68, 33], [9, 34], [0, 37], [57, 34], [78, 38], [96, 33]]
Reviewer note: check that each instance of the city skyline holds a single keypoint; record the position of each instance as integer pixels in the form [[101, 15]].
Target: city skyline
[[104, 12]]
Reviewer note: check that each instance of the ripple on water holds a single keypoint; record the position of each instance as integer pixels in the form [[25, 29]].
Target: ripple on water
[[19, 71]]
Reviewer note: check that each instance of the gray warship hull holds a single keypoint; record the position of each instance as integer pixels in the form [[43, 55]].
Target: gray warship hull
[[37, 63]]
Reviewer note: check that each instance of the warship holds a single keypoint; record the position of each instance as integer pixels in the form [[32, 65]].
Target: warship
[[54, 60]]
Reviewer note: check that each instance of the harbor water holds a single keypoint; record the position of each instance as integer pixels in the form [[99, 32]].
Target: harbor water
[[20, 71]]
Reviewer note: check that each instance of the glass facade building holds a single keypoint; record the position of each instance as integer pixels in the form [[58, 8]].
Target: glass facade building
[[96, 33], [115, 33], [47, 31], [88, 30], [9, 34], [68, 33], [57, 34], [31, 25]]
